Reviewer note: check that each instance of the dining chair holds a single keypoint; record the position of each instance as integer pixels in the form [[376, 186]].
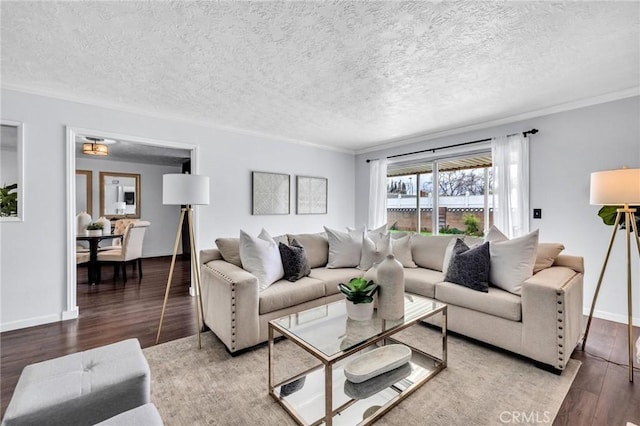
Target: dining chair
[[82, 257], [119, 228], [129, 252]]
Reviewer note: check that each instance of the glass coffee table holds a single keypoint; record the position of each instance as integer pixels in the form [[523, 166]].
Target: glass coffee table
[[322, 394]]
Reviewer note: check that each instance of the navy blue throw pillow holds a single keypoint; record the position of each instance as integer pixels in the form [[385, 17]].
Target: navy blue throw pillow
[[294, 261], [470, 267]]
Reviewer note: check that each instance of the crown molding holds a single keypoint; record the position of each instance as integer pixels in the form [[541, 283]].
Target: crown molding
[[582, 103], [164, 116], [393, 143]]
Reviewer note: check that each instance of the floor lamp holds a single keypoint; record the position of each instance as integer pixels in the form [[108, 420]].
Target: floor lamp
[[618, 188], [185, 190]]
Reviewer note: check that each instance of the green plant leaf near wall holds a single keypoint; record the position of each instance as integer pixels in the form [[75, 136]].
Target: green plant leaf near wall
[[608, 215], [9, 200]]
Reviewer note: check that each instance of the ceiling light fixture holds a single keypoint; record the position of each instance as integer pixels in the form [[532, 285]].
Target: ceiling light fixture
[[94, 147]]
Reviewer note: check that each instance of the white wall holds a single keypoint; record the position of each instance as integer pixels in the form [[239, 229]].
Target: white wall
[[569, 146], [160, 236], [33, 261]]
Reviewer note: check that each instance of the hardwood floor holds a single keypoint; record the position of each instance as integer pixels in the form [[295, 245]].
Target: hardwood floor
[[108, 313], [600, 395]]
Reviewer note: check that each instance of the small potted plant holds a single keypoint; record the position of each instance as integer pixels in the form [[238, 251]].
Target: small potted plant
[[359, 293], [94, 229]]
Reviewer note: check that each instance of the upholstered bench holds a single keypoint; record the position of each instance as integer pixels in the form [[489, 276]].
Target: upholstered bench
[[84, 388], [145, 415]]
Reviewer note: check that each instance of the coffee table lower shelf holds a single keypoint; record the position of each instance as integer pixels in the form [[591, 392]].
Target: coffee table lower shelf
[[307, 404]]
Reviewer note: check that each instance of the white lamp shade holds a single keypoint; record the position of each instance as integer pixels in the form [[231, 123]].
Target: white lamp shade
[[181, 189], [615, 187]]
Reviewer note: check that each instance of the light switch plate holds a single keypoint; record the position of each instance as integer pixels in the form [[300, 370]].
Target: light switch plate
[[537, 213]]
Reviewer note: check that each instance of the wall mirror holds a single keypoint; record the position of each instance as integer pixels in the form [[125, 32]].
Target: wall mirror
[[11, 172], [84, 192], [120, 195]]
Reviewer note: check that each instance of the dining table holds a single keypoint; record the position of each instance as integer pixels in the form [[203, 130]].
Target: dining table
[[94, 241]]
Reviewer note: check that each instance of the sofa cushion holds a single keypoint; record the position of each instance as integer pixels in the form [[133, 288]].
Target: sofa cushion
[[374, 251], [316, 246], [428, 251], [285, 294], [230, 250], [421, 281], [512, 261], [495, 302], [470, 267], [546, 255], [294, 261], [345, 248], [401, 250], [331, 277], [261, 257]]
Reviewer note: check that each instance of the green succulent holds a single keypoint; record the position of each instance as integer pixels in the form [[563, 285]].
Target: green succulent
[[94, 226], [359, 290]]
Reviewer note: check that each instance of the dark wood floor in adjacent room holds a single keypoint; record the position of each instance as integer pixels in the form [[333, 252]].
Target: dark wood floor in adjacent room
[[600, 395]]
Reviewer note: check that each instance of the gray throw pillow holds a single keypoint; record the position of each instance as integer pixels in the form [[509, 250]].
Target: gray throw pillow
[[470, 267], [294, 261]]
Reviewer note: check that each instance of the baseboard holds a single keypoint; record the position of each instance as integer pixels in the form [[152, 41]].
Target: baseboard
[[72, 314], [611, 316], [29, 322]]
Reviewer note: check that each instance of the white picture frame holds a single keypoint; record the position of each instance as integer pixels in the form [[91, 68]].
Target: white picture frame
[[270, 193], [12, 168], [311, 195]]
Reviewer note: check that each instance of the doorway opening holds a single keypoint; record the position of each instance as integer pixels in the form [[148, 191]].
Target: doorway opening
[[149, 158]]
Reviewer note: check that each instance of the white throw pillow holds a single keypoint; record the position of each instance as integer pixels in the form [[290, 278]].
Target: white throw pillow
[[261, 257], [374, 234], [374, 251], [401, 250], [495, 234], [448, 253], [344, 248], [512, 261]]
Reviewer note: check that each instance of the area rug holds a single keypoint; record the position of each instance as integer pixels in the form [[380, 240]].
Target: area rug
[[480, 386]]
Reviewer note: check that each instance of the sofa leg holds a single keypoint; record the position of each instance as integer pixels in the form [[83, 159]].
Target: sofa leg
[[549, 368]]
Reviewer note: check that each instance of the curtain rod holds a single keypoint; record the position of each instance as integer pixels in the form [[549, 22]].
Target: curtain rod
[[528, 132]]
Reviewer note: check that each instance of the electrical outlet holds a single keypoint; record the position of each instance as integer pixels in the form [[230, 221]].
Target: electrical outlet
[[537, 213]]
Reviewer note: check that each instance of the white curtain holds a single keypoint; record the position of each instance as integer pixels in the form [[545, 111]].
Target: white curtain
[[377, 193], [510, 157]]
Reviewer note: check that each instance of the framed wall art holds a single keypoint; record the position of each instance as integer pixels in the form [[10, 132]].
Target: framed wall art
[[311, 195], [270, 193]]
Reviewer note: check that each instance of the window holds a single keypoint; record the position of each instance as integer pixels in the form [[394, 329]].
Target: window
[[458, 202]]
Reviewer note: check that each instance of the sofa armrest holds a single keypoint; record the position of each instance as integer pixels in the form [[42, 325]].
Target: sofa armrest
[[574, 262], [230, 303], [208, 255], [552, 315]]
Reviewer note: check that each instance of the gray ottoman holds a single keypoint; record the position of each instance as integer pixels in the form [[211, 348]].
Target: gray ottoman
[[145, 415], [84, 388]]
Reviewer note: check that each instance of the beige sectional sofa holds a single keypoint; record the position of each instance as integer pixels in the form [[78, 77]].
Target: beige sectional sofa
[[543, 323]]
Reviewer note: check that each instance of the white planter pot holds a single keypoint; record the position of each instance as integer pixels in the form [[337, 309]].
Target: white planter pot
[[94, 232], [359, 311]]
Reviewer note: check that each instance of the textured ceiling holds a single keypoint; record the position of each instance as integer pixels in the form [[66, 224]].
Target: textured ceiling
[[122, 150], [343, 74]]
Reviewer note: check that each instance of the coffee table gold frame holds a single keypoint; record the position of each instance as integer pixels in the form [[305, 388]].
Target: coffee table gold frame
[[328, 363]]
